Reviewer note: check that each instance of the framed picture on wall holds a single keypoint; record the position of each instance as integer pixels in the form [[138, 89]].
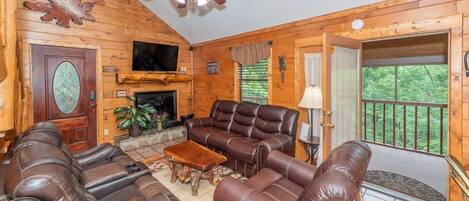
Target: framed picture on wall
[[304, 131], [212, 68]]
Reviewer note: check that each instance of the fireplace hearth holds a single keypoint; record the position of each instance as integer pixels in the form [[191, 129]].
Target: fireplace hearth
[[162, 101]]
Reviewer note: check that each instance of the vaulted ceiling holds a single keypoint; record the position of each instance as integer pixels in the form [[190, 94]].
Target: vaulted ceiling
[[239, 16]]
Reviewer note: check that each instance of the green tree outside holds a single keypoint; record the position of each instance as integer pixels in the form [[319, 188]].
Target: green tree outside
[[415, 83]]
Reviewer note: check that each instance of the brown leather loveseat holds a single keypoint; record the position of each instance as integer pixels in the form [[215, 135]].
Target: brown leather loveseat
[[338, 178], [41, 168], [245, 132]]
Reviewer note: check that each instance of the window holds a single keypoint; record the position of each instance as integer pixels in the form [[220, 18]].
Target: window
[[253, 82]]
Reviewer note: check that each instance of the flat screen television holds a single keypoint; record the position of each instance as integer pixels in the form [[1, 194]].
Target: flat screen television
[[154, 57]]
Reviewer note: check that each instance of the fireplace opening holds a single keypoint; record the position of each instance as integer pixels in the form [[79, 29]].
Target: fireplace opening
[[162, 101]]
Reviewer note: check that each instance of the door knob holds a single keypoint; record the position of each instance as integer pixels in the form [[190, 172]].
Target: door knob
[[92, 99], [328, 125]]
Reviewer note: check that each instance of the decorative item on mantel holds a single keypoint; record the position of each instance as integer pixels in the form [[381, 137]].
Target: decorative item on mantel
[[282, 67], [134, 118], [64, 11]]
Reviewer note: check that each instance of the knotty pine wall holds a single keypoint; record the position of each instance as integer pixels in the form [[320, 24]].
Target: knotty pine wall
[[388, 18], [8, 62], [119, 22]]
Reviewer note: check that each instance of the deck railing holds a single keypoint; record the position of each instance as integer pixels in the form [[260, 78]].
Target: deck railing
[[413, 126]]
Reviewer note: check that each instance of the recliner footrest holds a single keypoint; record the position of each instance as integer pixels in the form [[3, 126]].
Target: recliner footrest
[[103, 174]]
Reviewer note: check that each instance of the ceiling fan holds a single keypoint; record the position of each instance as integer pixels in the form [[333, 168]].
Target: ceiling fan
[[183, 3]]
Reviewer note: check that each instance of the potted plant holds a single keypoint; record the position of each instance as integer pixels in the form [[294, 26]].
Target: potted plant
[[134, 118]]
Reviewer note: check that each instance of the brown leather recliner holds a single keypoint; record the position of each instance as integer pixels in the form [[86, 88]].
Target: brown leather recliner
[[47, 132], [338, 178], [88, 163], [42, 171], [245, 132]]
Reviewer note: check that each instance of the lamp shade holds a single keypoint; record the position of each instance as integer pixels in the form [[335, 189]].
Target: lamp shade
[[312, 98]]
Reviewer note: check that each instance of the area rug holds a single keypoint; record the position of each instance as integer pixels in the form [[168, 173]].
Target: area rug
[[160, 170], [403, 185]]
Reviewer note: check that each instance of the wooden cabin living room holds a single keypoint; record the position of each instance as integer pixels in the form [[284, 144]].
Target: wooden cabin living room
[[234, 100]]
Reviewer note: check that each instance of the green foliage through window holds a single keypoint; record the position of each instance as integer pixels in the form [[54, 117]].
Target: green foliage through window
[[254, 82], [417, 87]]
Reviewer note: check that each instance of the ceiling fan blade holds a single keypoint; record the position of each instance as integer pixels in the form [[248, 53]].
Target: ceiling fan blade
[[221, 2], [182, 5]]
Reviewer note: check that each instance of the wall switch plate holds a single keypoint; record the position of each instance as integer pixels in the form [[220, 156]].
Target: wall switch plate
[[106, 131]]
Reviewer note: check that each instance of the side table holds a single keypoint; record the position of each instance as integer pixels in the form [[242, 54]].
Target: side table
[[311, 146]]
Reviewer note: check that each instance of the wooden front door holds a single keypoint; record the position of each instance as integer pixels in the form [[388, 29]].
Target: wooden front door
[[64, 92]]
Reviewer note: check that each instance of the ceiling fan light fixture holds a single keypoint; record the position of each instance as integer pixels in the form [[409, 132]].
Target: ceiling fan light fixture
[[182, 4], [202, 2]]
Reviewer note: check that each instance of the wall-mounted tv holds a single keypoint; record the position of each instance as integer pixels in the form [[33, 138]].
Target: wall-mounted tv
[[154, 57]]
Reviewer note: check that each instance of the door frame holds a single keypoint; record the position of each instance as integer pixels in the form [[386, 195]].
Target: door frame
[[455, 80], [26, 68], [300, 85]]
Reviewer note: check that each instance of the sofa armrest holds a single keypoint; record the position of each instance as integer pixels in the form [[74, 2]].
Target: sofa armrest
[[297, 171], [198, 122], [231, 189], [280, 142], [101, 152], [193, 123]]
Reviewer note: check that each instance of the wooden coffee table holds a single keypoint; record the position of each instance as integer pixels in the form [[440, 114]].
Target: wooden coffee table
[[190, 157]]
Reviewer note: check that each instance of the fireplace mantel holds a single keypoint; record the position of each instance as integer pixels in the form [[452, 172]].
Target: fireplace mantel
[[165, 78]]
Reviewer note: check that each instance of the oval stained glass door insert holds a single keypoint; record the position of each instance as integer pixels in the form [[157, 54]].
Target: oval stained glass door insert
[[66, 87]]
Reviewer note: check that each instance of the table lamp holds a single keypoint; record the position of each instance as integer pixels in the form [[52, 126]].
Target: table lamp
[[312, 100]]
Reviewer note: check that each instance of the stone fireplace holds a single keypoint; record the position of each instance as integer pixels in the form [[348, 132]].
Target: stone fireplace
[[162, 101]]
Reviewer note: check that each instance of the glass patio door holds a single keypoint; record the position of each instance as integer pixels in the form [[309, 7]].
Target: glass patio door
[[341, 90]]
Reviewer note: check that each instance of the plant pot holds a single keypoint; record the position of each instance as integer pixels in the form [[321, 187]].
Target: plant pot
[[135, 131]]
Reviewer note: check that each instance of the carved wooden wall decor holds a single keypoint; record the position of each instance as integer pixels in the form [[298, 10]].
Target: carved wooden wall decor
[[3, 68], [64, 11]]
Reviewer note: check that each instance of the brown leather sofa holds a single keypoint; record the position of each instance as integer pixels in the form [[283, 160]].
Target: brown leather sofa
[[41, 168], [245, 132], [338, 178]]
